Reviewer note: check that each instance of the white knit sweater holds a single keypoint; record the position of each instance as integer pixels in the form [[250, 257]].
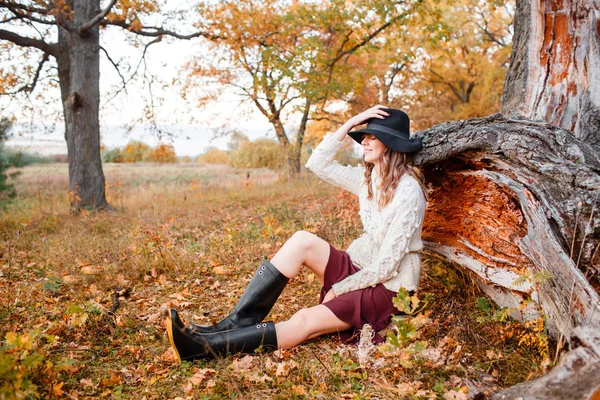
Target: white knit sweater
[[387, 251]]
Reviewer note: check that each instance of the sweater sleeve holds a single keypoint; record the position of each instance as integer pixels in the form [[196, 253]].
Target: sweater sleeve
[[407, 218], [322, 163]]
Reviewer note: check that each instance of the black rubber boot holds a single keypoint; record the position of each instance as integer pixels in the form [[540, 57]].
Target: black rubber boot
[[190, 345], [256, 302]]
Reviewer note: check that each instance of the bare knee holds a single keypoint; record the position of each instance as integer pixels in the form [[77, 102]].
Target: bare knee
[[302, 322], [303, 240]]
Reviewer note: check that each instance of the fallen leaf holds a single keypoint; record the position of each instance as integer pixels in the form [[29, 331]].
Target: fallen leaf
[[93, 290], [199, 376], [88, 270], [168, 355], [220, 270], [452, 395], [57, 389], [243, 364], [70, 279], [299, 390], [114, 380], [284, 368], [188, 387], [86, 382], [211, 384], [259, 379]]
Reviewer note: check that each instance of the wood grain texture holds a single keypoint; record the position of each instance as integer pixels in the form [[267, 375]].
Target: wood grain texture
[[515, 202], [554, 71]]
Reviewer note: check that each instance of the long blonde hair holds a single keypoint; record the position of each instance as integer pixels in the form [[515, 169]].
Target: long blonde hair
[[393, 165]]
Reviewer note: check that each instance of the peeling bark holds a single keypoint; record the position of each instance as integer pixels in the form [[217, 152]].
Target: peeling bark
[[554, 71], [515, 202], [513, 198]]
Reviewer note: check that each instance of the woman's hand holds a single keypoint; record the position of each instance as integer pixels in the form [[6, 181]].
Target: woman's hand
[[373, 112], [329, 296]]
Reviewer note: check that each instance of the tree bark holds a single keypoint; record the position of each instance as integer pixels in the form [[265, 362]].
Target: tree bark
[[78, 60], [553, 73], [515, 202]]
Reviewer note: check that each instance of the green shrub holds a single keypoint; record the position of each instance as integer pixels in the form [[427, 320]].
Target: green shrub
[[112, 155], [402, 339], [213, 156], [19, 158], [19, 364], [260, 153]]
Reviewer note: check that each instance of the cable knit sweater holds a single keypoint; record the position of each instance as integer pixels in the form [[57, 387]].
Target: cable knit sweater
[[387, 251]]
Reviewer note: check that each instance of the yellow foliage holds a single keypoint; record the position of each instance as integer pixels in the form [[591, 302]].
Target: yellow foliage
[[135, 151], [446, 62], [163, 153], [213, 156], [260, 153]]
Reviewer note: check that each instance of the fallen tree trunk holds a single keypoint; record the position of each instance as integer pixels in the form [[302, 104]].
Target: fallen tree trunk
[[515, 202]]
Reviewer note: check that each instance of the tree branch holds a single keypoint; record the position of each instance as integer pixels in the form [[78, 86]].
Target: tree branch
[[367, 39], [26, 41], [85, 27], [485, 29], [29, 88], [11, 5], [152, 31], [451, 86], [4, 21], [21, 16], [114, 65], [142, 59]]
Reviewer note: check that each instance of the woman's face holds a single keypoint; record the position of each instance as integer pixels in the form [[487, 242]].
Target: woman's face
[[373, 148]]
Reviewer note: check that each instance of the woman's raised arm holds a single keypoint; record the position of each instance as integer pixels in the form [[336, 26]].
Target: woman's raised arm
[[322, 162]]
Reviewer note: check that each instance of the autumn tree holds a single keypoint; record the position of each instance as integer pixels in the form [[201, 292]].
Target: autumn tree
[[163, 154], [290, 58], [66, 34], [445, 63]]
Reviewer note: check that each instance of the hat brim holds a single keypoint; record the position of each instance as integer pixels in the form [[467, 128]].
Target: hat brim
[[393, 142]]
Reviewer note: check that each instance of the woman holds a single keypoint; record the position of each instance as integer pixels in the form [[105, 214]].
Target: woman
[[358, 285]]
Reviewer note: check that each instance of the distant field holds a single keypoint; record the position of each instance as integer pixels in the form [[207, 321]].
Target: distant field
[[133, 184], [82, 296]]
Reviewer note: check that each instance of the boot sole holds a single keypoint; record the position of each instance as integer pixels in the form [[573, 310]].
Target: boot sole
[[169, 326]]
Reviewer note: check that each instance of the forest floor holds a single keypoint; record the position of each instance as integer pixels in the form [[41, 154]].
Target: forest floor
[[82, 297]]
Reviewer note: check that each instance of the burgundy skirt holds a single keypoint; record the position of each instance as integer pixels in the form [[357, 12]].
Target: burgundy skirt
[[372, 305]]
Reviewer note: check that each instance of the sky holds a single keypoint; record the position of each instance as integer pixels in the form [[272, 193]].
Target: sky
[[166, 60]]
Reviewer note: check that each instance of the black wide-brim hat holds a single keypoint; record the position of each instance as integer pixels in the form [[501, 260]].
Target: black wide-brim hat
[[393, 131]]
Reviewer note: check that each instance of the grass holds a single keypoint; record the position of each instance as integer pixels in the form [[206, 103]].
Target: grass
[[82, 296]]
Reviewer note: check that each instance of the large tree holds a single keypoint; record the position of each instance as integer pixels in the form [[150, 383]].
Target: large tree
[[69, 33], [515, 201], [291, 58]]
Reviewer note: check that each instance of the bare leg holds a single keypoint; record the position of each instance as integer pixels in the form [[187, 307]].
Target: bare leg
[[303, 248], [306, 324]]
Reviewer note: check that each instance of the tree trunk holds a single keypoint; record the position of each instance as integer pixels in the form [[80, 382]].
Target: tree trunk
[[294, 161], [553, 74], [78, 62], [295, 153], [515, 202]]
